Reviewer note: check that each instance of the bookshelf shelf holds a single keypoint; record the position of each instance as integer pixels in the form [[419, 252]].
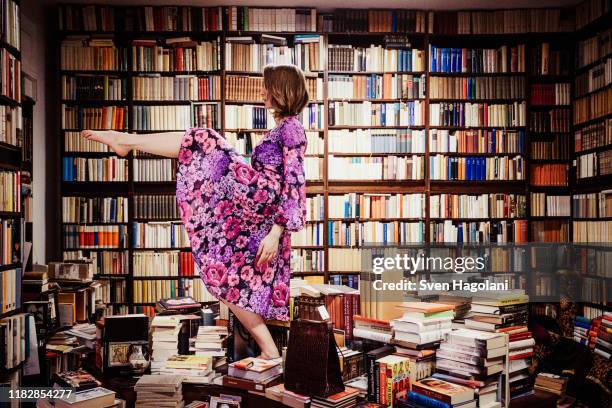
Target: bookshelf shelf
[[594, 120], [172, 102], [165, 277], [9, 267], [475, 74], [603, 88], [8, 214], [89, 102], [16, 53]]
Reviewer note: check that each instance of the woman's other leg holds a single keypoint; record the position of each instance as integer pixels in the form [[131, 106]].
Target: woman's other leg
[[258, 329], [165, 144]]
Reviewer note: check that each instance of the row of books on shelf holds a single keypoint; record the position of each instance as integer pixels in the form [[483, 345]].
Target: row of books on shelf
[[161, 117], [10, 291], [94, 88], [10, 191], [252, 54], [589, 11], [175, 54], [98, 54], [491, 205], [465, 114], [592, 231], [11, 241], [375, 58], [94, 236], [10, 23], [593, 48], [105, 262], [307, 261], [168, 263], [592, 205], [477, 60], [366, 206], [10, 72], [248, 88], [341, 233], [13, 346], [159, 235], [554, 120], [245, 18], [106, 117], [95, 209], [150, 291], [175, 88], [593, 106], [486, 87], [595, 78], [546, 205], [555, 148], [155, 207], [593, 136], [442, 167], [479, 232], [545, 60], [376, 168], [550, 94], [108, 169], [11, 124], [548, 174], [501, 21], [477, 141], [154, 169], [376, 86], [594, 164], [344, 113], [376, 141]]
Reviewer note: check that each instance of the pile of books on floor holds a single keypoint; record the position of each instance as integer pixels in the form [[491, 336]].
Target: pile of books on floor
[[372, 329], [254, 374], [435, 392], [520, 356], [555, 384], [603, 336], [164, 339], [210, 342], [492, 311], [582, 327], [346, 398], [159, 391], [474, 359], [422, 323], [194, 369], [92, 397], [291, 399]]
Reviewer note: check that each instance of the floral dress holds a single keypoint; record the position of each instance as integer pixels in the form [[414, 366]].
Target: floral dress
[[228, 206]]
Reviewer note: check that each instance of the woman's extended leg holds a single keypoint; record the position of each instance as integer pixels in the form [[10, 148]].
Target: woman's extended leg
[[258, 329], [165, 144]]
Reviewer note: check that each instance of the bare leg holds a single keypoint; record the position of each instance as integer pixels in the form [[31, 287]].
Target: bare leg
[[165, 144], [258, 329]]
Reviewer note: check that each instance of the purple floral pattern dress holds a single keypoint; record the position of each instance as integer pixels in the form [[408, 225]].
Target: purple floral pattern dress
[[228, 206]]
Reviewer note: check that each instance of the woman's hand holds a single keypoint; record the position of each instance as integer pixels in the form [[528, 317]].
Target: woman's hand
[[269, 246]]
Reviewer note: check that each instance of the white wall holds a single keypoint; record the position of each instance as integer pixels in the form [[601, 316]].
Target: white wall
[[33, 23]]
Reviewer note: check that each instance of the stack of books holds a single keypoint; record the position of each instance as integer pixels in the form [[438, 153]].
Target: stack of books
[[346, 398], [94, 397], [582, 327], [555, 384], [372, 329], [474, 359], [434, 392], [462, 306], [79, 380], [521, 352], [209, 341], [194, 369], [291, 399], [159, 391], [254, 374], [164, 338], [603, 341], [493, 311], [422, 323]]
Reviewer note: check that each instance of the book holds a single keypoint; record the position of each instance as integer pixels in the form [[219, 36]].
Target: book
[[254, 369], [80, 399], [443, 391]]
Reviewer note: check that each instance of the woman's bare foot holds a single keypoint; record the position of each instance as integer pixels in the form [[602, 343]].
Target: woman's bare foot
[[266, 356], [109, 138]]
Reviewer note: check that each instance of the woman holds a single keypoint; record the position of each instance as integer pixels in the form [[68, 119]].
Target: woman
[[237, 215]]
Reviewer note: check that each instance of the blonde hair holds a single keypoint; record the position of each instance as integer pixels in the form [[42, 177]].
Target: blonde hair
[[286, 86]]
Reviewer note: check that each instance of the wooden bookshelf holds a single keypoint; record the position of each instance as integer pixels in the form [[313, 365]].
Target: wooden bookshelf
[[563, 39]]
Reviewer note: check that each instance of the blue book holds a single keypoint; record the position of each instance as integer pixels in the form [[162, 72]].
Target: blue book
[[521, 135], [393, 22], [493, 141], [369, 86], [433, 58], [385, 229], [330, 232], [483, 168], [582, 324], [383, 114], [469, 174], [450, 169], [460, 233]]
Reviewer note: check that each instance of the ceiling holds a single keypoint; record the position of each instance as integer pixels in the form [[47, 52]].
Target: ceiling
[[330, 4]]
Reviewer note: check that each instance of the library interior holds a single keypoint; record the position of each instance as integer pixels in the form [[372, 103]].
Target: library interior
[[398, 203]]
